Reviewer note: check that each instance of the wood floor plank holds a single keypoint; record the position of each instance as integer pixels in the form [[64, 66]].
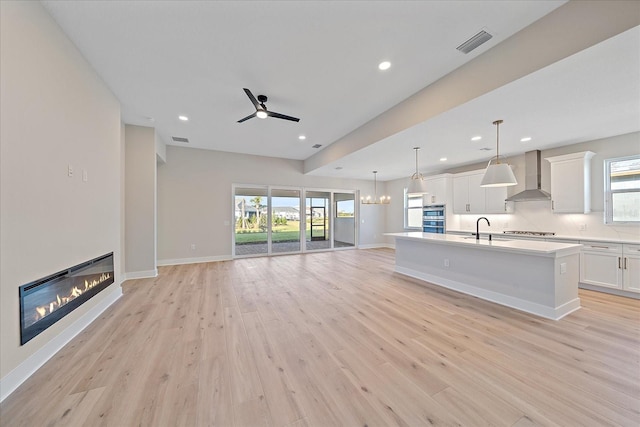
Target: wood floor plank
[[281, 400], [243, 373], [333, 338]]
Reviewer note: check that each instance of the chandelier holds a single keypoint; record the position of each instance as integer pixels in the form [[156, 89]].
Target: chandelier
[[382, 200]]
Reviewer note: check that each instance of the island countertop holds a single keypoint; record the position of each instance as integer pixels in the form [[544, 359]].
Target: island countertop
[[499, 243], [538, 277]]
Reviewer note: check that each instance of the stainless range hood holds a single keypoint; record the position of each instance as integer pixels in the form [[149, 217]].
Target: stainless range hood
[[531, 181]]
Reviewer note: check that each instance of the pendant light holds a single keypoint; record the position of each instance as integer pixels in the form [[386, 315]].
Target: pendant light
[[417, 184], [383, 200], [498, 174]]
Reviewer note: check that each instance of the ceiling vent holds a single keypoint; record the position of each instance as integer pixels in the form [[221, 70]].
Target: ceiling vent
[[317, 146], [180, 139], [474, 42]]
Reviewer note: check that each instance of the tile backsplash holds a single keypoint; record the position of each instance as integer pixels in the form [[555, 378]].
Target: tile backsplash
[[537, 216]]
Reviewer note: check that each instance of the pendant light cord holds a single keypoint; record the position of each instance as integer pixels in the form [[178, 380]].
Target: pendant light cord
[[375, 186], [497, 123]]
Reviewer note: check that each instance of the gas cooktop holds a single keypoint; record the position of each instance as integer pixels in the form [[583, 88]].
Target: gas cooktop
[[530, 233]]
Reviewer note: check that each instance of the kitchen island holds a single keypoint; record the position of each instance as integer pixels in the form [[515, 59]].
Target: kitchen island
[[532, 276]]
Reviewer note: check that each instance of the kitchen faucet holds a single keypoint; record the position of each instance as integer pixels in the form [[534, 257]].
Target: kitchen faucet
[[478, 226]]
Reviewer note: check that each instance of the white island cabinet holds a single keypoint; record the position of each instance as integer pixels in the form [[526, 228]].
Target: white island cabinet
[[533, 276]]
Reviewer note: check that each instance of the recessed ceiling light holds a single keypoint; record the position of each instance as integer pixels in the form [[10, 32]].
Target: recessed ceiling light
[[302, 137], [443, 159], [184, 118], [476, 138], [384, 65], [526, 139]]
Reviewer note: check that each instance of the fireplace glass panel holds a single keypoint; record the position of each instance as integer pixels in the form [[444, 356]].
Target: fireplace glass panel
[[47, 300]]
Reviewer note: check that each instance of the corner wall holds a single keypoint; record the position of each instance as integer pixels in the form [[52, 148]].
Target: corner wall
[[140, 201], [55, 113]]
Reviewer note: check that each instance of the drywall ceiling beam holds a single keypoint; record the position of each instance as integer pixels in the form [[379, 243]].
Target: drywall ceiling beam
[[569, 29]]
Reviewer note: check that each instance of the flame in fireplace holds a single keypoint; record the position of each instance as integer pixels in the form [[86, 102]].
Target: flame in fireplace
[[45, 310]]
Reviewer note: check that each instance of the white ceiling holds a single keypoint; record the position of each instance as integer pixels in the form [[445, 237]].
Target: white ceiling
[[590, 95], [318, 61]]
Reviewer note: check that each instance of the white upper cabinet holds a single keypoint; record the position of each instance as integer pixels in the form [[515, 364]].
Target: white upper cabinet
[[470, 198], [570, 182], [439, 187]]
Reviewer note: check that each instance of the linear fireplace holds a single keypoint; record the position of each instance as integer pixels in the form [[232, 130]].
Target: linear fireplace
[[47, 300]]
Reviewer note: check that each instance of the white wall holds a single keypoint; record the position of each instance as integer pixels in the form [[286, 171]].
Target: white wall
[[194, 199], [55, 111], [537, 216], [140, 201]]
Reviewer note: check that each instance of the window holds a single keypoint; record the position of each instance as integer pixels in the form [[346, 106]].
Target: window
[[622, 189], [345, 208], [412, 212]]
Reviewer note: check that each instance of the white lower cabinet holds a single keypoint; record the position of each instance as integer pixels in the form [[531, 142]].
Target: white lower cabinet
[[610, 265], [631, 268]]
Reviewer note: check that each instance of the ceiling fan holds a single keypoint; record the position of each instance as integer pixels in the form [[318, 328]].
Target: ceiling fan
[[261, 109]]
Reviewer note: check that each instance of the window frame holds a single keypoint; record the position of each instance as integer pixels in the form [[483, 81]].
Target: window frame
[[608, 192], [406, 209]]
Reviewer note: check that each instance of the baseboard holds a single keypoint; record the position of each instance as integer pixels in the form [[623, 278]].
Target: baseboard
[[141, 274], [179, 261], [612, 291], [23, 371], [377, 246], [556, 313]]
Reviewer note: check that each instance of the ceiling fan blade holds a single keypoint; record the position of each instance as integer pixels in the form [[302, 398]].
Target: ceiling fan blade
[[250, 116], [253, 99], [282, 116]]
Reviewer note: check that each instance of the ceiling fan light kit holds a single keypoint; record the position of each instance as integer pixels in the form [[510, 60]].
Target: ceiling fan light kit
[[375, 200], [261, 109], [498, 174], [417, 184]]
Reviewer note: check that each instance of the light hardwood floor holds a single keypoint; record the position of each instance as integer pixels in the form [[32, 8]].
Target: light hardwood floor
[[330, 339]]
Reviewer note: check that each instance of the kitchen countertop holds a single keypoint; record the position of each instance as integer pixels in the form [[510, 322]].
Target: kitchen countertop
[[556, 236], [535, 276], [503, 243]]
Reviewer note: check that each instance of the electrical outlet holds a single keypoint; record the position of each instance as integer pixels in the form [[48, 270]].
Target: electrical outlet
[[193, 247], [583, 227], [446, 262], [563, 268], [70, 171], [85, 175]]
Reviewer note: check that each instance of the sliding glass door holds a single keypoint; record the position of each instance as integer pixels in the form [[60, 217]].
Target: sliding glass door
[[251, 219], [318, 227], [344, 229], [286, 222], [278, 220]]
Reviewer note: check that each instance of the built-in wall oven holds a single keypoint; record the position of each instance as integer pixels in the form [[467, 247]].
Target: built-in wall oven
[[434, 219]]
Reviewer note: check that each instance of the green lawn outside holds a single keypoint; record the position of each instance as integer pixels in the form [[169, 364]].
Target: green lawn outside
[[280, 233]]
